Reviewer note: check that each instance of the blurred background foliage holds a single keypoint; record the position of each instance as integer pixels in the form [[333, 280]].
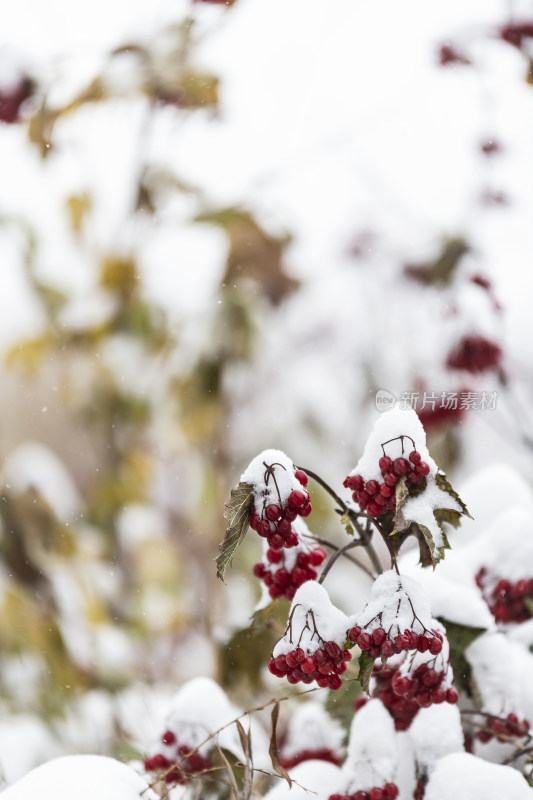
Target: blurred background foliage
[[125, 422]]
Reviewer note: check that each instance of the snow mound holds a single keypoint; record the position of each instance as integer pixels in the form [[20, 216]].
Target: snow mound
[[84, 777], [315, 780], [464, 776]]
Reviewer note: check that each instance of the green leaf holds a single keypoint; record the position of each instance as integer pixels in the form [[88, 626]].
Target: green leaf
[[237, 513], [244, 655], [460, 637], [345, 520], [366, 665], [340, 703]]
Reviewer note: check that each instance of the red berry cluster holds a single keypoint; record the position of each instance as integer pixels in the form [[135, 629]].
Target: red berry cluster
[[178, 765], [404, 696], [378, 642], [320, 754], [515, 32], [474, 354], [325, 665], [283, 579], [424, 687], [389, 792], [500, 729], [506, 599], [377, 498], [402, 711], [274, 521]]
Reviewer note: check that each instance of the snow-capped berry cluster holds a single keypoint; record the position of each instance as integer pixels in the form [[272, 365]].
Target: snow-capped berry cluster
[[507, 599], [279, 498], [177, 762], [475, 354], [388, 792], [312, 647], [502, 730], [284, 571], [396, 618], [378, 497]]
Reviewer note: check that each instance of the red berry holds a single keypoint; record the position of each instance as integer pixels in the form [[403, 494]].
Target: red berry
[[359, 796], [317, 556], [390, 791], [291, 540], [255, 519], [391, 479], [379, 636], [435, 646], [301, 476], [335, 682], [452, 695], [373, 509], [333, 650], [297, 499], [386, 490], [353, 633], [364, 641], [385, 463], [305, 510], [263, 528], [274, 556], [372, 487], [400, 466], [290, 514], [415, 457], [376, 794], [387, 649], [273, 512], [169, 737], [422, 469], [276, 541], [259, 570]]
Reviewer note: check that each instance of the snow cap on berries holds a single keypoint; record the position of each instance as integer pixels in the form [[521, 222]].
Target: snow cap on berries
[[393, 603], [384, 440], [331, 623], [256, 473]]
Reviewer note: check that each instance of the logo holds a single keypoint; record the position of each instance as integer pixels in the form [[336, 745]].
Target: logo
[[384, 400]]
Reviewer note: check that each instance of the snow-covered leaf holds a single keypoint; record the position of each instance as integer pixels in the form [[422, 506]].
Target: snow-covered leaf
[[237, 513]]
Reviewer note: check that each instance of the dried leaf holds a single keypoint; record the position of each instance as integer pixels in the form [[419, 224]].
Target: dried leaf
[[236, 512], [273, 749], [402, 495], [246, 744], [233, 783], [442, 482]]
